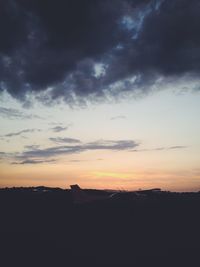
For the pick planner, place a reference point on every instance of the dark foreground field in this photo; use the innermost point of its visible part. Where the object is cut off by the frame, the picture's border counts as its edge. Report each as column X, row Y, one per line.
column 42, row 227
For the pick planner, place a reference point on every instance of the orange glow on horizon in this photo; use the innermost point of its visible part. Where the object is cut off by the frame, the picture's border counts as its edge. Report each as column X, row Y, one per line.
column 57, row 175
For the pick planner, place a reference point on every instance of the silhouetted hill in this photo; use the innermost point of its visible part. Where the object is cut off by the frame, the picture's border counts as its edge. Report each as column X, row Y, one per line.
column 42, row 227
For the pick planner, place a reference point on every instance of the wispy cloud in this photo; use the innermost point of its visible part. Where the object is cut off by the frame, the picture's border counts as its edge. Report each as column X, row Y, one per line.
column 120, row 117
column 82, row 160
column 33, row 161
column 58, row 129
column 12, row 134
column 11, row 113
column 29, row 147
column 60, row 140
column 56, row 151
column 159, row 149
column 177, row 147
column 33, row 154
column 111, row 144
column 55, row 123
column 2, row 155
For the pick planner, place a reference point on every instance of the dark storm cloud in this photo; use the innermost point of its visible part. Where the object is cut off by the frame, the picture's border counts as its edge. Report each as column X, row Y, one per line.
column 64, row 140
column 11, row 113
column 74, row 49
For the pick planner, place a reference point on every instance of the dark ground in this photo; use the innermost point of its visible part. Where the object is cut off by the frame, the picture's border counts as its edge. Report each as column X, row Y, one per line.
column 44, row 228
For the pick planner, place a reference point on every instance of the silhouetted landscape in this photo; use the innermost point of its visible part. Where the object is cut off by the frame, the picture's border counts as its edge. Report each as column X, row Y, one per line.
column 43, row 226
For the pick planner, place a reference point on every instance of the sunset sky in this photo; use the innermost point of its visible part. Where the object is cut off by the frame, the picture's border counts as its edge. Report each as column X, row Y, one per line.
column 105, row 94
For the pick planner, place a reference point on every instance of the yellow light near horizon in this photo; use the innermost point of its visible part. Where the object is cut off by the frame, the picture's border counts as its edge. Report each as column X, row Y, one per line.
column 112, row 174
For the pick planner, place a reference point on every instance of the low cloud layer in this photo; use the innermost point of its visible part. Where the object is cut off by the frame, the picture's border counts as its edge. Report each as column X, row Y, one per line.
column 76, row 50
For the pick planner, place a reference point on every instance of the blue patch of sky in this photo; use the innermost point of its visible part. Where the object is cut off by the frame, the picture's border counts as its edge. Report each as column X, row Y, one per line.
column 99, row 70
column 135, row 21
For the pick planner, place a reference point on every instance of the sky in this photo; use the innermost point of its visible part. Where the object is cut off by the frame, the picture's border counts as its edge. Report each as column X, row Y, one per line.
column 104, row 94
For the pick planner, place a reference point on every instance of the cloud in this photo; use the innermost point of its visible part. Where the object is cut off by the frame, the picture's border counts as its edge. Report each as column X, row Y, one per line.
column 64, row 140
column 56, row 151
column 118, row 117
column 177, row 147
column 29, row 147
column 2, row 153
column 36, row 155
column 33, row 161
column 79, row 160
column 110, row 144
column 20, row 132
column 56, row 123
column 58, row 129
column 11, row 113
column 160, row 148
column 76, row 50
